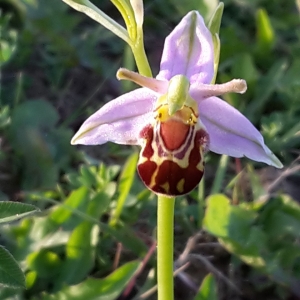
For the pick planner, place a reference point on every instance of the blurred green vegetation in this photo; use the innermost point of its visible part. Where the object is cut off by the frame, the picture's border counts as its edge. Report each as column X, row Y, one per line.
column 97, row 221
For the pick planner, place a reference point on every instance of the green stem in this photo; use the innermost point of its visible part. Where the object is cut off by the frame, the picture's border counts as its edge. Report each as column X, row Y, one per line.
column 165, row 234
column 201, row 202
column 127, row 13
column 220, row 174
column 140, row 56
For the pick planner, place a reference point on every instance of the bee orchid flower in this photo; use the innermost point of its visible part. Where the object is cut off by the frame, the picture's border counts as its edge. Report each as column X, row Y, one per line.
column 177, row 116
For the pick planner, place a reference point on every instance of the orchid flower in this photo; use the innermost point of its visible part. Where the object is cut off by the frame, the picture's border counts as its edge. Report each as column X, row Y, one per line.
column 177, row 116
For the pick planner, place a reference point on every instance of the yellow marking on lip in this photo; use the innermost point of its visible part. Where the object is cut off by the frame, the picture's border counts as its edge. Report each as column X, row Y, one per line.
column 180, row 185
column 166, row 187
column 185, row 115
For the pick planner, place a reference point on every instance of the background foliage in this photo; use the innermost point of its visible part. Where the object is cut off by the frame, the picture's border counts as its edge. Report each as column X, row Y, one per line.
column 93, row 234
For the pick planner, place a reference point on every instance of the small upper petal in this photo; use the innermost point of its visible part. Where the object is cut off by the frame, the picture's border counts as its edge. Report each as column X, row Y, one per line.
column 188, row 51
column 119, row 121
column 232, row 133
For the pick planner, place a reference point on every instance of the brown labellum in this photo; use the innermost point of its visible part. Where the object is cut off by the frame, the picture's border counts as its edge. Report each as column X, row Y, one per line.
column 171, row 160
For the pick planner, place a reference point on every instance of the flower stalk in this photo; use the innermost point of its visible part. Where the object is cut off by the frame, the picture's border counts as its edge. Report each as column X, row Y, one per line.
column 128, row 16
column 138, row 48
column 165, row 234
column 133, row 15
column 140, row 56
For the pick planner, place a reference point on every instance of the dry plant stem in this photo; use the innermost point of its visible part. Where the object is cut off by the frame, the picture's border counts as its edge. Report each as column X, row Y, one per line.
column 186, row 256
column 284, row 174
column 165, row 236
column 211, row 268
column 117, row 256
column 190, row 245
column 274, row 185
column 141, row 268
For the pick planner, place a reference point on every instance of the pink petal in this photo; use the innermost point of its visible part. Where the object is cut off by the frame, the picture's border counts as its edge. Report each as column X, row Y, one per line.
column 119, row 121
column 233, row 134
column 188, row 51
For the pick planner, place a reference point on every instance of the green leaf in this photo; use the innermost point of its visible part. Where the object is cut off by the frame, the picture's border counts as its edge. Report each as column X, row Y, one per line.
column 11, row 274
column 96, row 14
column 205, row 7
column 11, row 211
column 80, row 254
column 80, row 249
column 233, row 226
column 8, row 42
column 289, row 82
column 108, row 288
column 256, row 184
column 208, row 289
column 33, row 114
column 290, row 206
column 216, row 219
column 31, row 278
column 44, row 263
column 99, row 204
column 4, row 116
column 215, row 21
column 89, row 176
column 125, row 184
column 61, row 214
column 281, row 218
column 214, row 27
column 244, row 67
column 265, row 33
column 267, row 85
column 127, row 237
column 40, row 148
